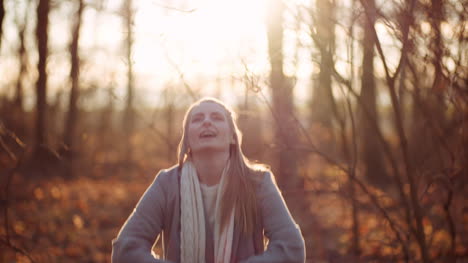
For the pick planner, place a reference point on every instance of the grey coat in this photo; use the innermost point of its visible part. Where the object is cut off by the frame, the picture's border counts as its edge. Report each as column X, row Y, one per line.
column 158, row 212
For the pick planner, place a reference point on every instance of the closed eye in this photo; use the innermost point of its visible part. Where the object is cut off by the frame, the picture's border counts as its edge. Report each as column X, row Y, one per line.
column 197, row 118
column 217, row 117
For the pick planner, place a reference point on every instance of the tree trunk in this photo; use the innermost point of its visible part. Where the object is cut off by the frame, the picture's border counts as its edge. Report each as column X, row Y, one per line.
column 22, row 70
column 18, row 123
column 41, row 85
column 375, row 170
column 128, row 11
column 2, row 15
column 129, row 110
column 70, row 128
column 439, row 86
column 436, row 15
column 282, row 101
column 325, row 40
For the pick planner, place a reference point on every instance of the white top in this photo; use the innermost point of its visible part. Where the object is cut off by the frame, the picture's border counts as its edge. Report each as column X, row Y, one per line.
column 209, row 194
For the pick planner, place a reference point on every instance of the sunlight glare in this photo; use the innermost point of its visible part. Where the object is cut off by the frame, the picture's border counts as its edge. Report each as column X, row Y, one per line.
column 447, row 30
column 425, row 27
column 200, row 42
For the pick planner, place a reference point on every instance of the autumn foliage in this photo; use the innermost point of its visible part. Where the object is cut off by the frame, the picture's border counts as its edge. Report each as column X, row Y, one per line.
column 370, row 149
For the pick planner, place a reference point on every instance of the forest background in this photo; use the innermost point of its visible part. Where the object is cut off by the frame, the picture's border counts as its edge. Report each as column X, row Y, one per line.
column 360, row 107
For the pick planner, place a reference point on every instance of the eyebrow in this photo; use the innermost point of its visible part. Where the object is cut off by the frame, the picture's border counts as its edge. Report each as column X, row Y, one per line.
column 212, row 113
column 217, row 113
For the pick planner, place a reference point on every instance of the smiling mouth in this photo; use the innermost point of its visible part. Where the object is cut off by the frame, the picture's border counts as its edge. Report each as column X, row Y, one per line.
column 207, row 134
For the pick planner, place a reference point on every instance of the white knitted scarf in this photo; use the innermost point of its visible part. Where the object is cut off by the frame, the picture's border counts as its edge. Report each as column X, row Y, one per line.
column 193, row 220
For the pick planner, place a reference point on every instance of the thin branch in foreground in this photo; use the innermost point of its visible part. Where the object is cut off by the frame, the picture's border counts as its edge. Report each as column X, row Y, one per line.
column 9, row 177
column 174, row 8
column 8, row 244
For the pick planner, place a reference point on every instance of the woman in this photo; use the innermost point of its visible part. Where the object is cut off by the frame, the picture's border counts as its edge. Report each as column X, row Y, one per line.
column 214, row 206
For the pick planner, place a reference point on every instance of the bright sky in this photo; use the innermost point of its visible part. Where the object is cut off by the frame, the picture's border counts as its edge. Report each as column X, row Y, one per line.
column 210, row 45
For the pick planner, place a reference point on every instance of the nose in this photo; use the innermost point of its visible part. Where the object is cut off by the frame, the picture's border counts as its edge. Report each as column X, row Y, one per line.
column 206, row 122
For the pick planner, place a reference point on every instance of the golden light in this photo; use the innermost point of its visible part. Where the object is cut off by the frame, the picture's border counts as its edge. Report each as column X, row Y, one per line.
column 425, row 27
column 205, row 41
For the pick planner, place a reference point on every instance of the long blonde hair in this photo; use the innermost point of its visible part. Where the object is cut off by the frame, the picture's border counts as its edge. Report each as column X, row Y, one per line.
column 240, row 190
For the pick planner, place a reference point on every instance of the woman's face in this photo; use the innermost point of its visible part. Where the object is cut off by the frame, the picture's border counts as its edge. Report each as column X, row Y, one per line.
column 208, row 128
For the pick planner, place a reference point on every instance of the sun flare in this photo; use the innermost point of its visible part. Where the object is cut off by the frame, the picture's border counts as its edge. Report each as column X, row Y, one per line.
column 203, row 41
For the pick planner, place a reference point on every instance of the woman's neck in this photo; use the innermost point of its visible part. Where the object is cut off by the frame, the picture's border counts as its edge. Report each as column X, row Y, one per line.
column 210, row 166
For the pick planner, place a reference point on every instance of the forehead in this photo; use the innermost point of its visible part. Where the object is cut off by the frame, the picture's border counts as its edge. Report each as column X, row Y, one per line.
column 208, row 108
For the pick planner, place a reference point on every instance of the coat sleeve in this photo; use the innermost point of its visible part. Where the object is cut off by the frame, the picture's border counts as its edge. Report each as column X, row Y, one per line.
column 138, row 234
column 285, row 241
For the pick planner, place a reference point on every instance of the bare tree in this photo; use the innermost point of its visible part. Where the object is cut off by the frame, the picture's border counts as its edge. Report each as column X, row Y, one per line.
column 2, row 15
column 21, row 22
column 128, row 15
column 70, row 126
column 129, row 114
column 23, row 56
column 41, row 85
column 282, row 100
column 324, row 39
column 375, row 169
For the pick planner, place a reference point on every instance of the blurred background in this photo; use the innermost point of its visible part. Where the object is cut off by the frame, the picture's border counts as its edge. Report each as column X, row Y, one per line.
column 359, row 106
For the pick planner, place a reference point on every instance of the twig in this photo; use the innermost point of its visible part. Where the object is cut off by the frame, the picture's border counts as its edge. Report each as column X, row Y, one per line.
column 9, row 177
column 16, row 249
column 182, row 78
column 416, row 208
column 174, row 8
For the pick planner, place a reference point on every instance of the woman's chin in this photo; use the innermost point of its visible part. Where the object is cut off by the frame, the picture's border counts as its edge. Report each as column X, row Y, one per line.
column 210, row 147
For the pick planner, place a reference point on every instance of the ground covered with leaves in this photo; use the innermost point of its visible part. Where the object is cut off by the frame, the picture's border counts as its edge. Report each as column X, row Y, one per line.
column 57, row 219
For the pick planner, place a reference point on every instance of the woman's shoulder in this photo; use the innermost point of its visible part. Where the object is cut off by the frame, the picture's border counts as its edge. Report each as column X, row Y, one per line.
column 168, row 175
column 259, row 173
